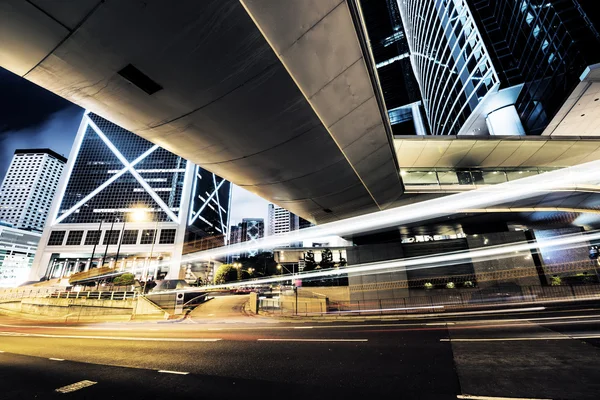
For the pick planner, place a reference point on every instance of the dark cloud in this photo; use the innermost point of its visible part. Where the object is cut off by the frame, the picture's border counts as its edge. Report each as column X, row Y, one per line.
column 32, row 117
column 25, row 105
column 57, row 132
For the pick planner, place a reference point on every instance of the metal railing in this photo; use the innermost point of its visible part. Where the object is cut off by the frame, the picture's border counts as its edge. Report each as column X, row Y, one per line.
column 16, row 294
column 451, row 299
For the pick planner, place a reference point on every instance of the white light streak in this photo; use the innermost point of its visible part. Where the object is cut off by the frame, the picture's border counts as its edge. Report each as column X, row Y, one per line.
column 422, row 211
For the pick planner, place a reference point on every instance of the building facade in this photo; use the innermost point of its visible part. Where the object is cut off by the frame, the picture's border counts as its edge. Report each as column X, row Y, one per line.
column 208, row 220
column 29, row 186
column 481, row 67
column 281, row 220
column 545, row 45
column 17, row 250
column 125, row 203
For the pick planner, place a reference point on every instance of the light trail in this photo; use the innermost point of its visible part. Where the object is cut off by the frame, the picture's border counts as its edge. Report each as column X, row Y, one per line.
column 425, row 210
column 420, row 262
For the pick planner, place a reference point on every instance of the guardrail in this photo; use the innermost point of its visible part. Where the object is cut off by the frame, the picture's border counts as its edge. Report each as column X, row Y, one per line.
column 451, row 299
column 9, row 295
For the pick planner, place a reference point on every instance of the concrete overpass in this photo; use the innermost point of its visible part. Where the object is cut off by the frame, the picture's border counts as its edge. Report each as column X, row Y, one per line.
column 278, row 97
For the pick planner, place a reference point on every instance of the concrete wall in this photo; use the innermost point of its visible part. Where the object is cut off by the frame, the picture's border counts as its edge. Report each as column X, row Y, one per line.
column 333, row 293
column 82, row 307
column 521, row 264
column 373, row 253
column 254, row 302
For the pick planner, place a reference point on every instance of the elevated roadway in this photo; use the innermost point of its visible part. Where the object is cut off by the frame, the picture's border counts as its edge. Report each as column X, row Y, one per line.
column 277, row 97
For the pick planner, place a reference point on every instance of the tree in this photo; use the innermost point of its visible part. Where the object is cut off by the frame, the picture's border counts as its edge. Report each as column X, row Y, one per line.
column 326, row 259
column 124, row 280
column 309, row 261
column 226, row 273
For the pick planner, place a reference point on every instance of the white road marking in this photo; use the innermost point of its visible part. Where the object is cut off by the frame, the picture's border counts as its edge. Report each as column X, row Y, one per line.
column 494, row 311
column 441, row 323
column 512, row 339
column 312, row 340
column 466, row 396
column 126, row 338
column 162, row 371
column 85, row 328
column 76, row 386
column 56, row 359
column 303, row 327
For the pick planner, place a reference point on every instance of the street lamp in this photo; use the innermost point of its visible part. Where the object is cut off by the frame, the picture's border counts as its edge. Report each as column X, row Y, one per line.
column 140, row 215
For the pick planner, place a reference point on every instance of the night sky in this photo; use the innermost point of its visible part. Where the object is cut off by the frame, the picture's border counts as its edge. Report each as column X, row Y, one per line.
column 32, row 117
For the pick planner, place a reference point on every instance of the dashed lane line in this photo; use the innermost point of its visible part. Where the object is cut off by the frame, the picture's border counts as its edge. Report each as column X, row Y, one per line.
column 164, row 371
column 75, row 386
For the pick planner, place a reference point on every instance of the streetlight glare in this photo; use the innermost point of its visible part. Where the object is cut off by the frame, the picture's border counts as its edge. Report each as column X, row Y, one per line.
column 139, row 215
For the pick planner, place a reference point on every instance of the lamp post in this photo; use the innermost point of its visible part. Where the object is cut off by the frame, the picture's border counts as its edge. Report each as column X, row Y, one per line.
column 140, row 215
column 108, row 242
column 96, row 242
column 120, row 242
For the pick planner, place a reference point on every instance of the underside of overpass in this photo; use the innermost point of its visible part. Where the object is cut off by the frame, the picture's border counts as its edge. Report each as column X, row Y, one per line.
column 279, row 97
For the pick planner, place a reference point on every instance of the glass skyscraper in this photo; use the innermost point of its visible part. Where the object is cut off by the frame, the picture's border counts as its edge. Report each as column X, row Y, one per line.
column 546, row 45
column 451, row 62
column 128, row 204
column 482, row 67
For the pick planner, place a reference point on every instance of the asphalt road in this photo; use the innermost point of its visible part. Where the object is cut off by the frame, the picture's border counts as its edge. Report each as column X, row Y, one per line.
column 537, row 353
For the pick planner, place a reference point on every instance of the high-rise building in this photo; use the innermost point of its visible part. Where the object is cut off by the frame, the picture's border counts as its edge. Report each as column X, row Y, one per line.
column 544, row 45
column 29, row 187
column 452, row 65
column 391, row 54
column 481, row 66
column 208, row 221
column 236, row 234
column 17, row 250
column 126, row 203
column 249, row 230
column 281, row 220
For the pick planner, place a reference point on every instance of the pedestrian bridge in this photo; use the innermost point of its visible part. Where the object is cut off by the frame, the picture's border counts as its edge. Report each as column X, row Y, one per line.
column 279, row 97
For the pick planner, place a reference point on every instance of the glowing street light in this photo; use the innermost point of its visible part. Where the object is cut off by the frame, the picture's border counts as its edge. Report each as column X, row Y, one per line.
column 139, row 215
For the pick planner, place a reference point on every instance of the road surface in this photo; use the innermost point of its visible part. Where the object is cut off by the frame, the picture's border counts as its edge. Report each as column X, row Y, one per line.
column 538, row 353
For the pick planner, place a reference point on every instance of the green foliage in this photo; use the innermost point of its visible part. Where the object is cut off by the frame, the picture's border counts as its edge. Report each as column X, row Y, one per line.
column 555, row 281
column 124, row 280
column 226, row 273
column 428, row 285
column 326, row 259
column 309, row 261
column 468, row 284
column 450, row 285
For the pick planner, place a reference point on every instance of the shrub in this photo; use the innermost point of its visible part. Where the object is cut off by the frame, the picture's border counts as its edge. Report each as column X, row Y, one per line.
column 226, row 273
column 428, row 285
column 450, row 285
column 468, row 284
column 124, row 280
column 555, row 281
